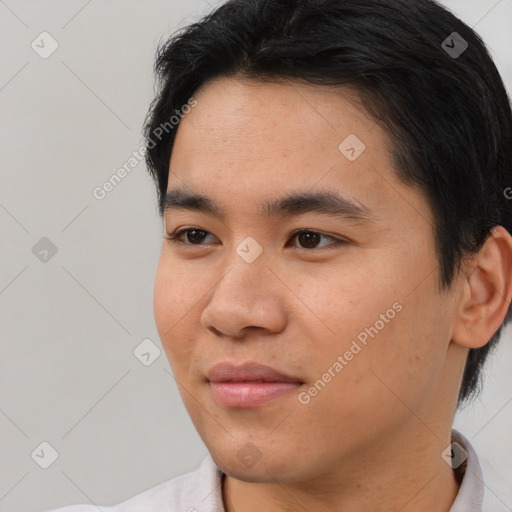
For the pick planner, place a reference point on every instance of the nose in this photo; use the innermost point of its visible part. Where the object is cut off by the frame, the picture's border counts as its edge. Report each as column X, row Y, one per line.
column 247, row 297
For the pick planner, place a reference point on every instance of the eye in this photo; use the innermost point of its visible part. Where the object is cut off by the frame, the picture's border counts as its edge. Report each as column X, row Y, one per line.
column 309, row 239
column 193, row 236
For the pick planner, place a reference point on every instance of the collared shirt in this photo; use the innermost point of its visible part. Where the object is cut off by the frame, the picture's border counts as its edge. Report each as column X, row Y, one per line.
column 470, row 497
column 201, row 490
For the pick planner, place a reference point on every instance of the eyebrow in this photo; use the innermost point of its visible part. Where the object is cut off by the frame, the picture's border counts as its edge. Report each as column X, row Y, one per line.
column 298, row 203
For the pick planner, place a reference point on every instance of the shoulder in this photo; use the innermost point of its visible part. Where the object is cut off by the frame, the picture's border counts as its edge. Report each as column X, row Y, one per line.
column 197, row 491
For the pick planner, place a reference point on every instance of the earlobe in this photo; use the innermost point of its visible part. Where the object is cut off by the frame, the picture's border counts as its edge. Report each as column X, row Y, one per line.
column 487, row 291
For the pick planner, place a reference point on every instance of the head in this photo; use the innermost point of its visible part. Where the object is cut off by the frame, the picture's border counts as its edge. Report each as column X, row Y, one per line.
column 286, row 113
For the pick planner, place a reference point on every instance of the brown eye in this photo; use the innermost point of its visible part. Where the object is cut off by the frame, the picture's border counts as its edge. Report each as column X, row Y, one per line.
column 195, row 236
column 190, row 236
column 308, row 239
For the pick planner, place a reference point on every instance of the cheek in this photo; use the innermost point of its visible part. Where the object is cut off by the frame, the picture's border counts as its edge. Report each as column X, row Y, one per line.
column 165, row 299
column 405, row 358
column 393, row 342
column 176, row 302
column 342, row 302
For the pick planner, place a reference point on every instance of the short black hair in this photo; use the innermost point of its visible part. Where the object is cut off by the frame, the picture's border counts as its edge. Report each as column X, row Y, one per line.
column 447, row 113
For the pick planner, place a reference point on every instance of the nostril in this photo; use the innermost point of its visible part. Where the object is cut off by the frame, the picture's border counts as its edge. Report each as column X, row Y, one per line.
column 215, row 330
column 218, row 332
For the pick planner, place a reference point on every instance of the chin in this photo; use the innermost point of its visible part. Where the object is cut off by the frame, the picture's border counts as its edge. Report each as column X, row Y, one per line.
column 260, row 472
column 249, row 464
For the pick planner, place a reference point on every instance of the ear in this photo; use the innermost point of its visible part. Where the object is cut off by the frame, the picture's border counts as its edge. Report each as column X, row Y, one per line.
column 487, row 291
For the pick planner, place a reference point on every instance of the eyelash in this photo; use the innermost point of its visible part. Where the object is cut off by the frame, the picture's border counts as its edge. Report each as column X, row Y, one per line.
column 175, row 238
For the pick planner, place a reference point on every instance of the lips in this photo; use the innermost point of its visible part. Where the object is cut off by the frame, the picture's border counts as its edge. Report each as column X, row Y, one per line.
column 249, row 384
column 247, row 372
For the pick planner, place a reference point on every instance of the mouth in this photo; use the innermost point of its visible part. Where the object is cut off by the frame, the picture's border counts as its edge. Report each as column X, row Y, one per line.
column 249, row 385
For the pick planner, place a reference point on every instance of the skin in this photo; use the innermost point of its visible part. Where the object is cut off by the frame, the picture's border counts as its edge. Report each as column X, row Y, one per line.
column 373, row 437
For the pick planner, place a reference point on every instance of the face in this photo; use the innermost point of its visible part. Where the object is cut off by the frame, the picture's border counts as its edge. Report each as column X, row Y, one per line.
column 337, row 291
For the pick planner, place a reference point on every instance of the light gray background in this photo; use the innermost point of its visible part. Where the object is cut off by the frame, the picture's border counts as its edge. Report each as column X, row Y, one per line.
column 68, row 374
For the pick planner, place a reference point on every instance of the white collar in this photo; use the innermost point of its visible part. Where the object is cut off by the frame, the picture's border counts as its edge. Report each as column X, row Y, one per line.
column 470, row 497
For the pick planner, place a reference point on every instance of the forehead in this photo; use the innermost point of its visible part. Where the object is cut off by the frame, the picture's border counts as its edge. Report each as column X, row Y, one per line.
column 248, row 141
column 256, row 111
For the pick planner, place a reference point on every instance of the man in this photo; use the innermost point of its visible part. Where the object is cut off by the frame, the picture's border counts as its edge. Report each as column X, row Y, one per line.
column 336, row 262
